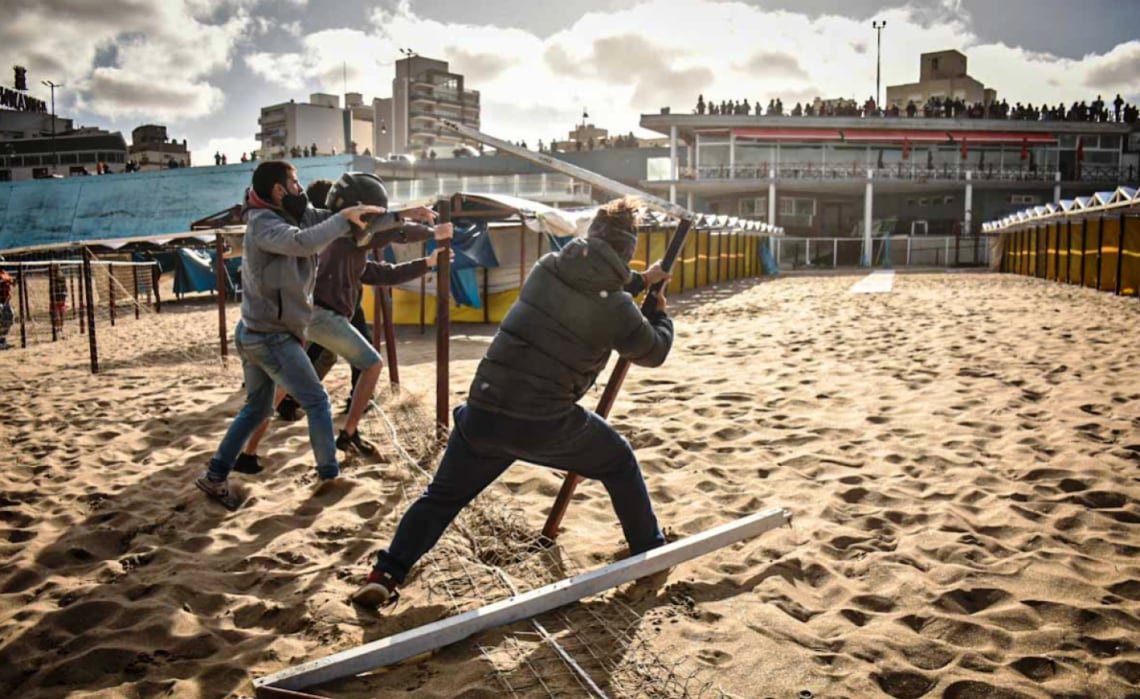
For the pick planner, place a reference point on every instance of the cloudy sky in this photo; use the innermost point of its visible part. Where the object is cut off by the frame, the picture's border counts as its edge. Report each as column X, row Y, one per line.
column 204, row 68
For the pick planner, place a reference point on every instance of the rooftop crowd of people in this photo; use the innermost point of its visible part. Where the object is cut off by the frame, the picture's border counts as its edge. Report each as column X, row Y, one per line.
column 1118, row 111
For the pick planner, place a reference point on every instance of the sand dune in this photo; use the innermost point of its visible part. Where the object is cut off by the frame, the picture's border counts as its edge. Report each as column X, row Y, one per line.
column 961, row 457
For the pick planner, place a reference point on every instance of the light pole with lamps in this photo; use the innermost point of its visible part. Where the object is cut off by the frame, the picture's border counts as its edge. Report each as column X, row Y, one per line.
column 878, row 27
column 54, row 154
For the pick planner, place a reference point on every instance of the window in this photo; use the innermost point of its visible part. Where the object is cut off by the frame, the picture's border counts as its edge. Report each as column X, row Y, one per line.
column 795, row 211
column 948, row 199
column 924, row 202
column 1023, row 199
column 754, row 207
column 934, row 64
column 5, row 175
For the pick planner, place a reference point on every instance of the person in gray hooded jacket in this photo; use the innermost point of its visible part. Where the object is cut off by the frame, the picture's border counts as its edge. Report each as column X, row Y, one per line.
column 283, row 237
column 575, row 309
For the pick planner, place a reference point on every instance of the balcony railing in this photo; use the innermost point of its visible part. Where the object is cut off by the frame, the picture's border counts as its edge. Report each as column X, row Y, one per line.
column 911, row 172
column 548, row 188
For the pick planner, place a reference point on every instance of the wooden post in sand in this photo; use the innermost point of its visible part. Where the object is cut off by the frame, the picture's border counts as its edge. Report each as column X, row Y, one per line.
column 220, row 286
column 71, row 286
column 423, row 294
column 135, row 281
column 21, row 295
column 443, row 325
column 53, row 306
column 613, row 384
column 81, row 307
column 386, row 305
column 88, row 287
column 111, row 292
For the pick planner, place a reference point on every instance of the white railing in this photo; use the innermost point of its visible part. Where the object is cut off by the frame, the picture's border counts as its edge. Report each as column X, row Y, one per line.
column 902, row 251
column 545, row 188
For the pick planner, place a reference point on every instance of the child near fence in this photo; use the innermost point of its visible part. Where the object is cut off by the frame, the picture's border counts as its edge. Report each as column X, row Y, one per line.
column 6, row 315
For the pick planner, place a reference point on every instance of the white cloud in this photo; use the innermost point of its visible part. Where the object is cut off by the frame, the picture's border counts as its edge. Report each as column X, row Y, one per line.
column 174, row 48
column 168, row 58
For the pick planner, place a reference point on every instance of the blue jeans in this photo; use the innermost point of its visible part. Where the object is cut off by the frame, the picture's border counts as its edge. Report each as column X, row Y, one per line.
column 483, row 445
column 335, row 333
column 268, row 359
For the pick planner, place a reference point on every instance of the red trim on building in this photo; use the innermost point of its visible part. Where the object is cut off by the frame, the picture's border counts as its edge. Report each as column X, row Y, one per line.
column 790, row 134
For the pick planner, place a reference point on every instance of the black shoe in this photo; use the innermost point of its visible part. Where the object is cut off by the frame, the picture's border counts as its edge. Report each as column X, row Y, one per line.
column 248, row 463
column 354, row 442
column 380, row 590
column 289, row 409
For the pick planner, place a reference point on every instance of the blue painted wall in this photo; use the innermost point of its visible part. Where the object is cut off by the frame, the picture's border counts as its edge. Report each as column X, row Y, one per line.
column 63, row 212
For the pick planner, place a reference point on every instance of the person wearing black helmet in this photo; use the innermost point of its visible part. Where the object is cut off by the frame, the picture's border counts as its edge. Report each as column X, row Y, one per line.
column 342, row 272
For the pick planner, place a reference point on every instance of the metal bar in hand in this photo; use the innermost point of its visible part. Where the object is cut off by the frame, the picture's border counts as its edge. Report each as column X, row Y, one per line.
column 443, row 324
column 592, row 178
column 613, row 384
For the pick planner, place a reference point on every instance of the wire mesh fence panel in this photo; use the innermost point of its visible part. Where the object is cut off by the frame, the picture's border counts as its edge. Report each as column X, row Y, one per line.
column 602, row 646
column 43, row 299
column 54, row 299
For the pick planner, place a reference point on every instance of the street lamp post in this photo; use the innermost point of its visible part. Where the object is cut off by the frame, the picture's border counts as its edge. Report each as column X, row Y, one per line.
column 54, row 154
column 878, row 27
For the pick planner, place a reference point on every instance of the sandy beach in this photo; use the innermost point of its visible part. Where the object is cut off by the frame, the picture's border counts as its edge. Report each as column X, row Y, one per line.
column 961, row 457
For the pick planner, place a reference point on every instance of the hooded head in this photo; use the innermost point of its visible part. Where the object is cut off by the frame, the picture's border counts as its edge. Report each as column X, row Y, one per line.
column 616, row 223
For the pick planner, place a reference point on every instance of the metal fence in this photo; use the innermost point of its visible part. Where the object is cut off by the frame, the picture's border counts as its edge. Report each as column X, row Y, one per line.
column 538, row 187
column 899, row 251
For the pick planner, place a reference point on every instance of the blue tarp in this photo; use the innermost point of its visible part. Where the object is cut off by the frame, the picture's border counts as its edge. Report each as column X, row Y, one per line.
column 473, row 250
column 194, row 270
column 72, row 210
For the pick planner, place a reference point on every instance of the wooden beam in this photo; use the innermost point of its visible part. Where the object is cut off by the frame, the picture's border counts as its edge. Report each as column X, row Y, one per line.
column 393, row 649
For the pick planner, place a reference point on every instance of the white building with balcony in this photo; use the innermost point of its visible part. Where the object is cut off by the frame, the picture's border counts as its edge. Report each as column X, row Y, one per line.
column 830, row 176
column 423, row 92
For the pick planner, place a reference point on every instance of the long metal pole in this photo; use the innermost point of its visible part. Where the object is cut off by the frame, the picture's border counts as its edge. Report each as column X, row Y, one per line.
column 613, row 384
column 443, row 324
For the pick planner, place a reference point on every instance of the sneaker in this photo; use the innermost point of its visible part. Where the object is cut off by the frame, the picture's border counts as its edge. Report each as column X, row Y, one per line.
column 354, row 442
column 289, row 409
column 218, row 490
column 248, row 463
column 380, row 590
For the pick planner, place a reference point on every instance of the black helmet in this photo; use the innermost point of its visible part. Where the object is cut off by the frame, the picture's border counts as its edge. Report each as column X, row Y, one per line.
column 356, row 188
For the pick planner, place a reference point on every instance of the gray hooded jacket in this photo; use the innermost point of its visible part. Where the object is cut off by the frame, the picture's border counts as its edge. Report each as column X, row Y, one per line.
column 279, row 267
